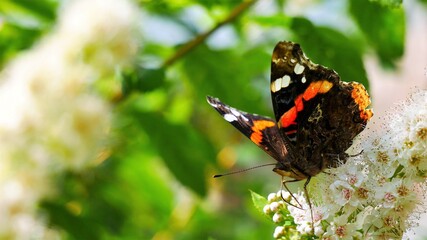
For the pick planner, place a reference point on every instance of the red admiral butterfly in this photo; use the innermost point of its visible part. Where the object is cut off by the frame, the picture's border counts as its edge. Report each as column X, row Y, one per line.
column 317, row 115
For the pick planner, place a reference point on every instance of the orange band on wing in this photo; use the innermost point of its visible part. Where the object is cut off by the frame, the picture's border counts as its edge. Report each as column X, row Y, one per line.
column 316, row 87
column 362, row 99
column 257, row 128
column 298, row 103
column 289, row 117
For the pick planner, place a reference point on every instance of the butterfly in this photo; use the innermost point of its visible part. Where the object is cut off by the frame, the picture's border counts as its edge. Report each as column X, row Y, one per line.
column 317, row 116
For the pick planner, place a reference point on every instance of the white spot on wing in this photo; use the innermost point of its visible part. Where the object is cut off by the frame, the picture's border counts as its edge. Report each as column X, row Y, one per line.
column 230, row 117
column 285, row 81
column 303, row 80
column 280, row 83
column 213, row 104
column 235, row 112
column 275, row 86
column 299, row 68
column 244, row 118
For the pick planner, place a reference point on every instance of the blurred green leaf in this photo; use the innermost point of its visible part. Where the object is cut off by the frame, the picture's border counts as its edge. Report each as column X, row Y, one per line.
column 184, row 150
column 77, row 227
column 389, row 3
column 331, row 49
column 383, row 27
column 230, row 76
column 259, row 202
column 14, row 39
column 145, row 190
column 142, row 80
column 273, row 20
column 22, row 22
column 94, row 196
column 44, row 10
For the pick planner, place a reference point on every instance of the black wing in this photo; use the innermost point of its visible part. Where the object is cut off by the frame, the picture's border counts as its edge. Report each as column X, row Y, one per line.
column 261, row 130
column 297, row 86
column 318, row 112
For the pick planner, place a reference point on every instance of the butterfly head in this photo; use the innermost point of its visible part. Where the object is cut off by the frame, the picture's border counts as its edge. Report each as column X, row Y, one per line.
column 284, row 169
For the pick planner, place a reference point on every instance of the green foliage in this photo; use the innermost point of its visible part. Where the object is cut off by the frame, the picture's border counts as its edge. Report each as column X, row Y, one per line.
column 383, row 27
column 167, row 142
column 390, row 3
column 259, row 201
column 153, row 78
column 331, row 48
column 21, row 23
column 172, row 142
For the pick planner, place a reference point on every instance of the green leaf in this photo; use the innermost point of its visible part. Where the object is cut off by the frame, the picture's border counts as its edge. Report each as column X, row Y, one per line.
column 230, row 76
column 42, row 10
column 331, row 49
column 182, row 148
column 142, row 184
column 273, row 20
column 77, row 227
column 389, row 3
column 383, row 27
column 259, row 201
column 142, row 80
column 14, row 39
column 22, row 23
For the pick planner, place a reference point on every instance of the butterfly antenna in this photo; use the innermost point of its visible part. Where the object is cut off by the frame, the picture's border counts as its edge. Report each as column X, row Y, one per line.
column 243, row 170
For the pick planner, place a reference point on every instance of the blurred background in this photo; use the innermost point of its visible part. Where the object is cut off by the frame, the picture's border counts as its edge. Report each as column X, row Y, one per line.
column 152, row 177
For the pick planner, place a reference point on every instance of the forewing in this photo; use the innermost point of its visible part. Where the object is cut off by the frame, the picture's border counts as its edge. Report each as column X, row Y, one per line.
column 261, row 130
column 297, row 84
column 317, row 111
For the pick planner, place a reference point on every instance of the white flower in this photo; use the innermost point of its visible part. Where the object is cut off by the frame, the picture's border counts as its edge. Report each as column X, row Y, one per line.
column 389, row 194
column 278, row 231
column 318, row 231
column 300, row 214
column 284, row 195
column 351, row 173
column 272, row 197
column 267, row 209
column 275, row 206
column 342, row 191
column 51, row 118
column 277, row 217
column 373, row 194
column 341, row 229
column 305, row 227
column 83, row 28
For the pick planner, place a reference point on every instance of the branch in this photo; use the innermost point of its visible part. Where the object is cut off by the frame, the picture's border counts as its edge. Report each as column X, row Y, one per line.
column 200, row 38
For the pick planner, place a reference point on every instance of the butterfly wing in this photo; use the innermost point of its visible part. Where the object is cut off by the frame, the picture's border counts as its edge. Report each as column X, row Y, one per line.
column 318, row 112
column 261, row 130
column 296, row 86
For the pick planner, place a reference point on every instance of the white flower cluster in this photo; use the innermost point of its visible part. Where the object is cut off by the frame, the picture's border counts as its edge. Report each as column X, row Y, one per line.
column 373, row 195
column 51, row 119
column 276, row 208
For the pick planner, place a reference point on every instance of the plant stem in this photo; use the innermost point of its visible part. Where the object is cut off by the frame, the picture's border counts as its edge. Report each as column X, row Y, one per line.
column 200, row 38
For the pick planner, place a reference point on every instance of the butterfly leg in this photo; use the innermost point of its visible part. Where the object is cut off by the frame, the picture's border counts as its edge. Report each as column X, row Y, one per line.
column 287, row 189
column 309, row 202
column 357, row 154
